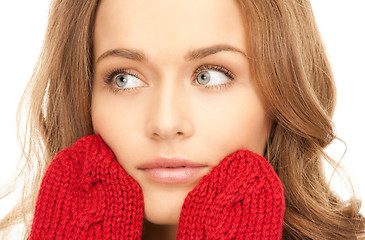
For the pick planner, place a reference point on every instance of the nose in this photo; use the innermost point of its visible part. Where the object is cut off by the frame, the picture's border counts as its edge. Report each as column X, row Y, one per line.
column 169, row 116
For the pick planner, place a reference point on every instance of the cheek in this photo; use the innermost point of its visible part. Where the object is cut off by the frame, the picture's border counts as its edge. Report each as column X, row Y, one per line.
column 238, row 122
column 115, row 121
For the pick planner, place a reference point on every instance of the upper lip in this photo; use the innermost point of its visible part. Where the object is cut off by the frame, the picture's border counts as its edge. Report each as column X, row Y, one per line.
column 169, row 162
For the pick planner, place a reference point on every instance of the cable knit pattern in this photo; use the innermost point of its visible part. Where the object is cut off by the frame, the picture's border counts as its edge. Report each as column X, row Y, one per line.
column 242, row 198
column 86, row 194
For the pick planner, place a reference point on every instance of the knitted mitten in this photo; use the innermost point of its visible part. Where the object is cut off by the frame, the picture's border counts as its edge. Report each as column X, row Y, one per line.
column 86, row 194
column 242, row 198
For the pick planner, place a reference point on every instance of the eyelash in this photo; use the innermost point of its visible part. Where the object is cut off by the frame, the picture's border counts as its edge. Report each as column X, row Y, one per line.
column 110, row 75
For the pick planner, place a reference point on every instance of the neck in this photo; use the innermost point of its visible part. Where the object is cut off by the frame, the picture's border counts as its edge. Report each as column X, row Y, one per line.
column 153, row 231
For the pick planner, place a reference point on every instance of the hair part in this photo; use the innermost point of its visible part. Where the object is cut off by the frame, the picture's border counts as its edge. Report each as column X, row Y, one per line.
column 292, row 74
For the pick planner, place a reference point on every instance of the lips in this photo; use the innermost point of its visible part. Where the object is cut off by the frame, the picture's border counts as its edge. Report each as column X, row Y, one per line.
column 172, row 170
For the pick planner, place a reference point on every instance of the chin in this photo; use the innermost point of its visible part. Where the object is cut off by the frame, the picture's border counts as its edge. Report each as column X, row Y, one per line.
column 163, row 207
column 162, row 214
column 162, row 220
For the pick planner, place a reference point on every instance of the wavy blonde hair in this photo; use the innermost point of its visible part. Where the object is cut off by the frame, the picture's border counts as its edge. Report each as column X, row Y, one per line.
column 291, row 71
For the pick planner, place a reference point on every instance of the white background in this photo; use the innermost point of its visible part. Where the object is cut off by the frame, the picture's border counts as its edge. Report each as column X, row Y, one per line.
column 342, row 24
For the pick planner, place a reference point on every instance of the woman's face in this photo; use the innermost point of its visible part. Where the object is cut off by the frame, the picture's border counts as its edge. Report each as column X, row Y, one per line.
column 172, row 94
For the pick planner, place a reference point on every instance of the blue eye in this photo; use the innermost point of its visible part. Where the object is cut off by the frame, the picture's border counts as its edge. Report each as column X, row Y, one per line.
column 211, row 78
column 127, row 81
column 123, row 79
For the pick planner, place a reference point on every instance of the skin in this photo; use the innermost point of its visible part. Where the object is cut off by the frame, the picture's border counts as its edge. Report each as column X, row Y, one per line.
column 165, row 111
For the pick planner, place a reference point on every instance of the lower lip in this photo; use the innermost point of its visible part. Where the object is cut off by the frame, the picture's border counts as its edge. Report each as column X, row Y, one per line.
column 173, row 175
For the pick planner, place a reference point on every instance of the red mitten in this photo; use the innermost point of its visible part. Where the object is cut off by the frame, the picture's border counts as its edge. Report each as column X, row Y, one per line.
column 242, row 198
column 86, row 194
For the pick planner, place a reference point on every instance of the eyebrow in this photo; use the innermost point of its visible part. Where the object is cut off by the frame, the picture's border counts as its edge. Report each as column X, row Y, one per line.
column 192, row 55
column 124, row 53
column 204, row 52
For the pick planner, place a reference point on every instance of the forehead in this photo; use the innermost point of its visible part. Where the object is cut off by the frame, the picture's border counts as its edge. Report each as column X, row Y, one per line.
column 167, row 25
